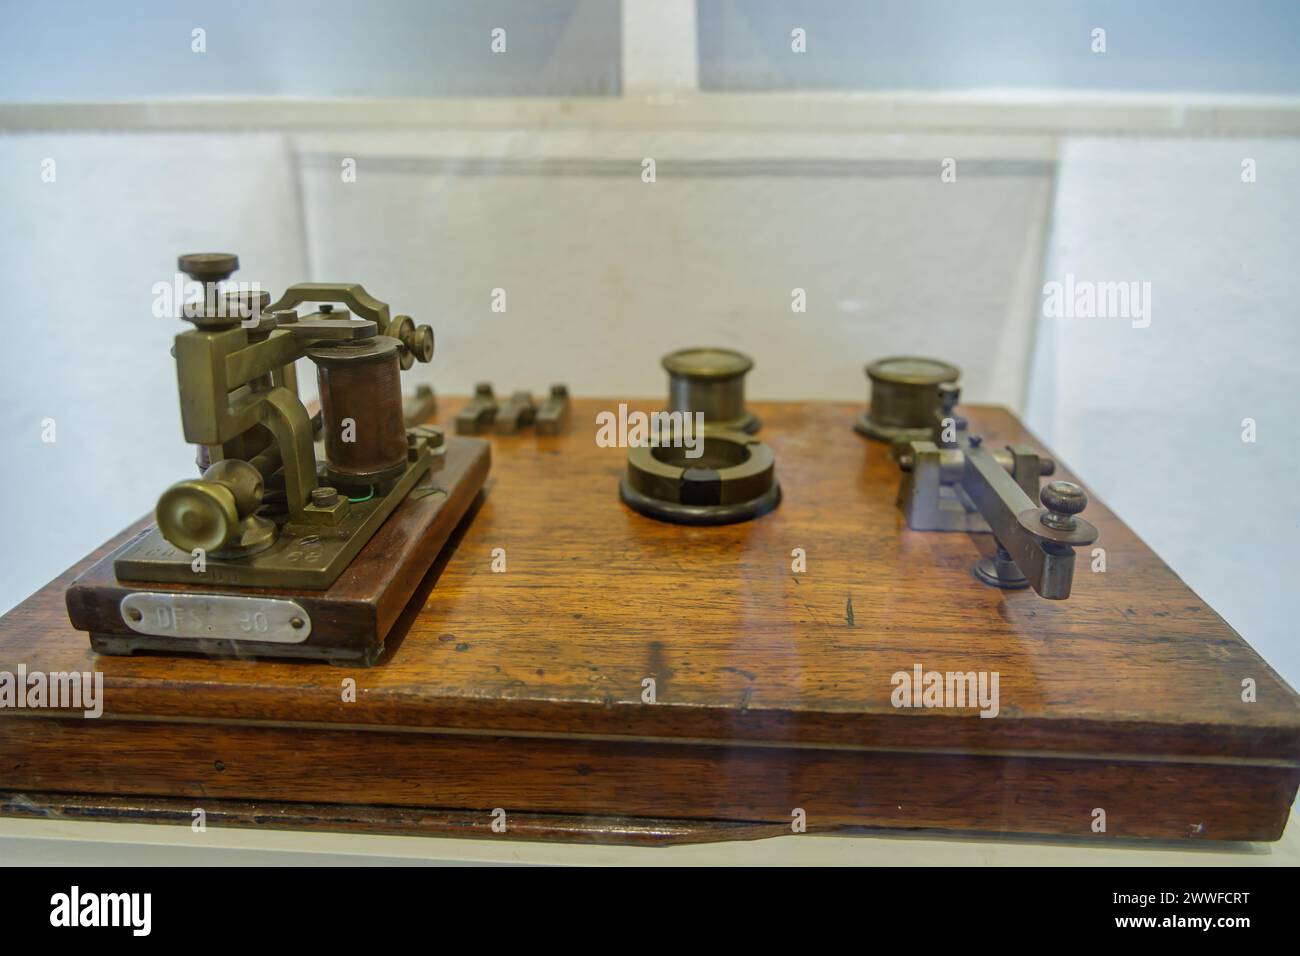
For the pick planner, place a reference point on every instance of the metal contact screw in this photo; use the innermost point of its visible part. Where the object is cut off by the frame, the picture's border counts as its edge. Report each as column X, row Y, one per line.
column 324, row 496
column 1063, row 500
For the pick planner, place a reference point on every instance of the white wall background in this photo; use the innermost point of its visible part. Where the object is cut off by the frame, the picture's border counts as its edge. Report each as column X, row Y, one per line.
column 83, row 346
column 1153, row 417
column 1247, row 46
column 142, row 49
column 604, row 273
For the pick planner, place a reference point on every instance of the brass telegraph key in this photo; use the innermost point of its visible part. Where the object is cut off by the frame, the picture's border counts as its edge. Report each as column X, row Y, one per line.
column 285, row 500
column 952, row 482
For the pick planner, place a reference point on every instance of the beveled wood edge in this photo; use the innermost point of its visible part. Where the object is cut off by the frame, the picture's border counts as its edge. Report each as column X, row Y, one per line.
column 396, row 821
column 436, row 822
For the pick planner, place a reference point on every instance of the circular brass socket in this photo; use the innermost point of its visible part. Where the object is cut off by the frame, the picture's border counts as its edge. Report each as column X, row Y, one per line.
column 733, row 479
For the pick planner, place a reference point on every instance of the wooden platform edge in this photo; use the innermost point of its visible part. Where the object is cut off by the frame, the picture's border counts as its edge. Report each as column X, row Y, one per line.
column 157, row 761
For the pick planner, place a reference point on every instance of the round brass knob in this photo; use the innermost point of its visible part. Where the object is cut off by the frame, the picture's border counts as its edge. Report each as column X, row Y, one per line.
column 206, row 512
column 242, row 479
column 197, row 514
column 417, row 341
column 208, row 266
column 422, row 345
column 1063, row 500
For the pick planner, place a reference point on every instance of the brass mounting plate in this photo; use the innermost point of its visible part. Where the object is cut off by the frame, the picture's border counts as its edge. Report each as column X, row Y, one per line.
column 304, row 555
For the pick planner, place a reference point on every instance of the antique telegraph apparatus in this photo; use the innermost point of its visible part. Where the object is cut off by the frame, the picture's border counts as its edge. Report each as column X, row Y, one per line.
column 285, row 501
column 952, row 482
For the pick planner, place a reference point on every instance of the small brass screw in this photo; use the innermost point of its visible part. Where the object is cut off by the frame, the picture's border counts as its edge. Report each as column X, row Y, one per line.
column 1063, row 500
column 324, row 496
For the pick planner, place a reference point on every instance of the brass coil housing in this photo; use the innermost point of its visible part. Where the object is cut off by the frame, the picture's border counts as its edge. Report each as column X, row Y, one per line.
column 361, row 412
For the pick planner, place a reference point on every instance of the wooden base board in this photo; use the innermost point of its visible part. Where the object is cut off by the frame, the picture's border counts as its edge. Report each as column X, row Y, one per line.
column 519, row 681
column 708, row 782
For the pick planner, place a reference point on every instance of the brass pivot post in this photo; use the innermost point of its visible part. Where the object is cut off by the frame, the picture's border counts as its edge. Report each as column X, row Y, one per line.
column 553, row 414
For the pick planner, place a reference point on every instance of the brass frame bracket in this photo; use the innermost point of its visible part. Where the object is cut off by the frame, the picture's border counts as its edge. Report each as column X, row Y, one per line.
column 479, row 412
column 553, row 414
column 516, row 412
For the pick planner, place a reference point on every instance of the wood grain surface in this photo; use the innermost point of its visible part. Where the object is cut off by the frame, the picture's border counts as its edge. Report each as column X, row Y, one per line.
column 766, row 686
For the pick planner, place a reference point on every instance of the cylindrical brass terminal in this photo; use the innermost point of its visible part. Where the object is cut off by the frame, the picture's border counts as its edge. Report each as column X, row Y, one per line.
column 904, row 396
column 711, row 381
column 952, row 463
column 361, row 412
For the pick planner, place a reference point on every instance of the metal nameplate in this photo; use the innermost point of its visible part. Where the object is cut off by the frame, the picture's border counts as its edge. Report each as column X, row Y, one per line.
column 216, row 616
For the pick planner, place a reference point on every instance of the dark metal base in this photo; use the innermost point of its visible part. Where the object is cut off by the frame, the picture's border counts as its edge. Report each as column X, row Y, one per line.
column 119, row 645
column 379, row 482
column 893, row 434
column 748, row 423
column 1000, row 574
column 700, row 514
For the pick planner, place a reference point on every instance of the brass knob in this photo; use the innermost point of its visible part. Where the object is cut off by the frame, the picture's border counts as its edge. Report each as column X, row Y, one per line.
column 206, row 512
column 208, row 266
column 417, row 341
column 218, row 310
column 422, row 345
column 197, row 514
column 1063, row 500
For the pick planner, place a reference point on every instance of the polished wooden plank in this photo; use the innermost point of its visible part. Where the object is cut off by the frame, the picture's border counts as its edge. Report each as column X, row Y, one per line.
column 652, row 780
